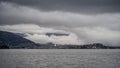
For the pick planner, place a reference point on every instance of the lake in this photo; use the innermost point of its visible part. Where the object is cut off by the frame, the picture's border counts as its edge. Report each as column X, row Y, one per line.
column 60, row 58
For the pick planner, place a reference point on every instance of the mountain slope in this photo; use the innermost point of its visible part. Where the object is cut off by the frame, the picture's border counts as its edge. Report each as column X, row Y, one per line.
column 14, row 41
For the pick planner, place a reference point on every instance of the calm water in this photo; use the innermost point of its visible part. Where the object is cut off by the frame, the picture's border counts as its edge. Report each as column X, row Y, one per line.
column 61, row 58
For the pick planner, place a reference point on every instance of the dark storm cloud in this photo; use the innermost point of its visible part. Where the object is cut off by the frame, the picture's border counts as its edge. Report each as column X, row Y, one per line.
column 82, row 6
column 12, row 13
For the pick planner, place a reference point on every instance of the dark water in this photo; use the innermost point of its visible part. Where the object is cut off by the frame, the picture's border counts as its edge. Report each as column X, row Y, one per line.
column 61, row 58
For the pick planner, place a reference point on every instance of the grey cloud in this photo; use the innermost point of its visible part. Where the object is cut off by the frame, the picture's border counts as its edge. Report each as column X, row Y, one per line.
column 17, row 13
column 83, row 6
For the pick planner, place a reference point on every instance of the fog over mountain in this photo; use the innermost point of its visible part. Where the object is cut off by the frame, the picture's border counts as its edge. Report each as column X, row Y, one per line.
column 86, row 21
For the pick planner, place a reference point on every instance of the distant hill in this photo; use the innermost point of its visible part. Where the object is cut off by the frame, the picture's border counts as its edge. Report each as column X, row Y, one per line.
column 57, row 34
column 86, row 46
column 21, row 34
column 11, row 40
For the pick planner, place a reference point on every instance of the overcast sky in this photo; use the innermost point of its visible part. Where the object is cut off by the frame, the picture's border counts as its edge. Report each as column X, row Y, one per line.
column 87, row 21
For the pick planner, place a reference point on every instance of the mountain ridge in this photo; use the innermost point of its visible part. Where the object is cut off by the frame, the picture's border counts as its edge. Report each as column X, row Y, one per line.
column 14, row 41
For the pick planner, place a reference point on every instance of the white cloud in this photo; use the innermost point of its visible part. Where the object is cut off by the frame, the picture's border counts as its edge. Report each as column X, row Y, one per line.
column 38, row 38
column 29, row 28
column 98, row 34
column 42, row 38
column 38, row 34
column 71, row 39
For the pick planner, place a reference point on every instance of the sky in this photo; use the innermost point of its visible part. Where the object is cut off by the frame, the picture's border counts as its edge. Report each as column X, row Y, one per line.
column 86, row 21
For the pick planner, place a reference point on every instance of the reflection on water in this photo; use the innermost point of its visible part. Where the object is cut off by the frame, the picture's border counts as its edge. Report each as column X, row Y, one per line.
column 60, row 58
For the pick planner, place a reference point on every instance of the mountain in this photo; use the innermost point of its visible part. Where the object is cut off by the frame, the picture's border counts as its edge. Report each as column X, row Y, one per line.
column 11, row 40
column 57, row 34
column 21, row 34
column 48, row 34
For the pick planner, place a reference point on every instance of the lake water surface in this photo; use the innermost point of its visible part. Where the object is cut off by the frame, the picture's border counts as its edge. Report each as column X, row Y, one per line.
column 60, row 58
